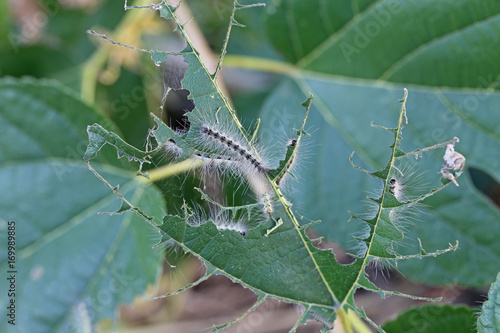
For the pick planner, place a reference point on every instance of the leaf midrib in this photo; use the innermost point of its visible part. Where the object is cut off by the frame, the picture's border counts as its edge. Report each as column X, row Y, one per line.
column 238, row 124
column 247, row 285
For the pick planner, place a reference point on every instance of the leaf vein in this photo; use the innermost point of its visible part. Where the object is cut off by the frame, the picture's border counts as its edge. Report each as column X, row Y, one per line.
column 396, row 65
column 333, row 38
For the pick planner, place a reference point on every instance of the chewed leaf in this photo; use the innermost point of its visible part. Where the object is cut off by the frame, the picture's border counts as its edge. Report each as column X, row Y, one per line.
column 385, row 231
column 355, row 77
column 254, row 256
column 98, row 137
column 286, row 165
column 271, row 254
column 385, row 228
column 164, row 135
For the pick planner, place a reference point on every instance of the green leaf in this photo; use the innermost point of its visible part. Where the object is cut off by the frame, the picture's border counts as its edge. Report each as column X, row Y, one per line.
column 247, row 260
column 489, row 321
column 393, row 45
column 433, row 319
column 286, row 165
column 276, row 258
column 353, row 41
column 49, row 61
column 5, row 23
column 250, row 259
column 74, row 266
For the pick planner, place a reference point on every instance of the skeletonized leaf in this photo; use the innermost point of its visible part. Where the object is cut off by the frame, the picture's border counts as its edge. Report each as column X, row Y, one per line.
column 356, row 59
column 284, row 263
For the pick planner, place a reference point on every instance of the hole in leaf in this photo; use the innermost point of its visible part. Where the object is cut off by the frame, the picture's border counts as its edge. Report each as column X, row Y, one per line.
column 486, row 184
column 175, row 99
column 342, row 256
column 176, row 105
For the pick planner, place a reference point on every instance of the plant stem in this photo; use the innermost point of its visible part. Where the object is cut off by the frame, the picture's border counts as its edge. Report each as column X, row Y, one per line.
column 358, row 324
column 260, row 64
column 170, row 170
column 343, row 317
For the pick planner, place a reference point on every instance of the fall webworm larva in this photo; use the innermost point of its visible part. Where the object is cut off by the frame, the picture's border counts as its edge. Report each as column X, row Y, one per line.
column 396, row 187
column 238, row 226
column 405, row 180
column 211, row 164
column 321, row 319
column 172, row 149
column 221, row 219
column 406, row 183
column 250, row 164
column 222, row 148
column 233, row 146
column 217, row 165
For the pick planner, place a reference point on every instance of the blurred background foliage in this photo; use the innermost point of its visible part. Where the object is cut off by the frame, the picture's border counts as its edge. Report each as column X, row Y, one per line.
column 48, row 39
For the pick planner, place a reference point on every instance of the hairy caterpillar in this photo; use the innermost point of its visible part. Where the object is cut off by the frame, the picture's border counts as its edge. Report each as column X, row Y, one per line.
column 321, row 319
column 396, row 187
column 221, row 219
column 405, row 182
column 172, row 149
column 223, row 142
column 227, row 224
